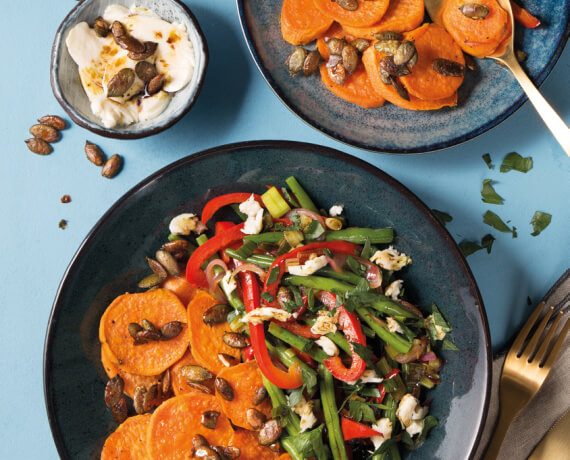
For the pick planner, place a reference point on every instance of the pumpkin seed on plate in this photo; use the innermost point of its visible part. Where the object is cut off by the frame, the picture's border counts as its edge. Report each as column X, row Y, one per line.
column 156, row 267
column 39, row 146
column 54, row 121
column 295, row 60
column 45, row 132
column 168, row 262
column 149, row 50
column 145, row 71
column 228, row 360
column 234, row 340
column 361, row 44
column 448, row 68
column 199, row 441
column 402, row 92
column 94, row 154
column 270, row 432
column 255, row 418
column 114, row 390
column 388, row 35
column 216, row 314
column 134, row 329
column 337, row 74
column 224, row 388
column 120, row 411
column 210, row 419
column 259, row 396
column 150, row 281
column 171, row 330
column 195, row 373
column 100, row 26
column 138, row 399
column 349, row 58
column 155, row 84
column 311, row 63
column 121, row 82
column 335, row 45
column 387, row 64
column 387, row 46
column 404, row 53
column 349, row 5
column 474, row 10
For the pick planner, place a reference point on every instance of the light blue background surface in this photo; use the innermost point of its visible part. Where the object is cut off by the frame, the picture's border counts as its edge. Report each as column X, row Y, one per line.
column 236, row 105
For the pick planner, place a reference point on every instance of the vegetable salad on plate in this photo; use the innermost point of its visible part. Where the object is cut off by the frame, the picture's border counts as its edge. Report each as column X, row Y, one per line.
column 287, row 335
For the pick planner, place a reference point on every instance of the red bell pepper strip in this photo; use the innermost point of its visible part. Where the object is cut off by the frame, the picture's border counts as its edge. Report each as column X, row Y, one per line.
column 382, row 391
column 341, row 247
column 304, row 330
column 354, row 430
column 194, row 273
column 524, row 17
column 252, row 300
column 222, row 227
column 223, row 200
column 305, row 358
column 248, row 354
column 392, row 373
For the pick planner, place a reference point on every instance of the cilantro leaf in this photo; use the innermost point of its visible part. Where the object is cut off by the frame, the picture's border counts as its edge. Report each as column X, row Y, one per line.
column 309, row 444
column 487, row 159
column 314, row 230
column 448, row 345
column 267, row 297
column 539, row 222
column 488, row 194
column 468, row 247
column 514, row 161
column 364, row 352
column 491, row 219
column 487, row 242
column 272, row 276
column 366, row 249
column 443, row 217
column 361, row 412
column 295, row 396
column 429, row 422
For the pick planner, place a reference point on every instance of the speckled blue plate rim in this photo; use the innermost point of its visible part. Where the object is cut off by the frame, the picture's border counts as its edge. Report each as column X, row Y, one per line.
column 310, row 149
column 424, row 149
column 116, row 133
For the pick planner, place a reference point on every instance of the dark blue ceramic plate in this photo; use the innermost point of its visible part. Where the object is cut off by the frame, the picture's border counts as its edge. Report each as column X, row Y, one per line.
column 485, row 98
column 111, row 260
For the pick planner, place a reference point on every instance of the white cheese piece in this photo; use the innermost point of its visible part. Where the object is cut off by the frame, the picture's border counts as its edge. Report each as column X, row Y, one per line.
column 309, row 267
column 393, row 325
column 420, row 412
column 328, row 346
column 406, row 409
column 183, row 224
column 390, row 259
column 336, row 210
column 368, row 376
column 259, row 315
column 384, row 426
column 229, row 283
column 254, row 212
column 250, row 207
column 394, row 288
column 415, row 427
column 325, row 323
column 439, row 332
column 152, row 107
column 305, row 410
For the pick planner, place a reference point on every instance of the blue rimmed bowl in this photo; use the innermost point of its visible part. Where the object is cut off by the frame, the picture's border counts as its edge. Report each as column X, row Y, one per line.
column 69, row 92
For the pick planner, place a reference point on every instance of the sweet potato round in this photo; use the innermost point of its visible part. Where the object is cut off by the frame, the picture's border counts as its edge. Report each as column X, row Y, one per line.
column 128, row 441
column 179, row 386
column 182, row 288
column 250, row 449
column 368, row 12
column 302, row 22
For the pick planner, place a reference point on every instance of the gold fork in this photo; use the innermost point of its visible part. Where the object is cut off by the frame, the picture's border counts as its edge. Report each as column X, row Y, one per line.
column 524, row 371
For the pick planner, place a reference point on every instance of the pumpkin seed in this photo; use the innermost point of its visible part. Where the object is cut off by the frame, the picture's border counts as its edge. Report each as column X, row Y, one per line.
column 335, row 46
column 387, row 46
column 138, row 399
column 224, row 388
column 349, row 5
column 349, row 58
column 120, row 411
column 385, row 77
column 404, row 53
column 234, row 340
column 269, row 433
column 134, row 329
column 45, row 132
column 210, row 419
column 361, row 44
column 145, row 71
column 310, row 66
column 448, row 68
column 54, row 121
column 199, row 441
column 118, row 29
column 195, row 373
column 388, row 35
column 171, row 330
column 39, row 146
column 168, row 262
column 334, row 60
column 114, row 390
column 216, row 314
column 175, row 246
column 402, row 92
column 94, row 154
column 199, row 387
column 166, row 382
column 100, row 26
column 474, row 10
column 295, row 60
column 337, row 74
column 387, row 64
column 149, row 400
column 255, row 418
column 470, row 63
column 153, row 336
column 413, row 61
column 150, row 281
column 156, row 267
column 229, row 453
column 148, row 51
column 155, row 84
column 206, row 453
column 124, row 40
column 121, row 82
column 228, row 360
column 259, row 396
column 148, row 326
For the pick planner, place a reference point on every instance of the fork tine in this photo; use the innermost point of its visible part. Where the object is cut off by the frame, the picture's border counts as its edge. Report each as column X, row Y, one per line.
column 518, row 343
column 531, row 346
column 540, row 354
column 557, row 345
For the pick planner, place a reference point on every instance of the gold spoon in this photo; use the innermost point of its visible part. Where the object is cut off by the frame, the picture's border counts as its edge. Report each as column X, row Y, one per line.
column 506, row 56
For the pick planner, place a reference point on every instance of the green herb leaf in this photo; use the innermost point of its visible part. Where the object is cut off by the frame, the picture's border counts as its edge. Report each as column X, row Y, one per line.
column 370, row 392
column 487, row 242
column 309, row 444
column 295, row 396
column 443, row 217
column 314, row 230
column 491, row 219
column 366, row 249
column 514, row 161
column 539, row 222
column 429, row 422
column 273, row 275
column 468, row 247
column 407, row 439
column 448, row 345
column 361, row 412
column 267, row 297
column 355, row 266
column 488, row 194
column 352, row 390
column 364, row 352
column 311, row 299
column 384, row 448
column 487, row 159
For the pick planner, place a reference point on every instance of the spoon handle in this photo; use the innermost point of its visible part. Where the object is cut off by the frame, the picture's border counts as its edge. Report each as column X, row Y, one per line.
column 557, row 127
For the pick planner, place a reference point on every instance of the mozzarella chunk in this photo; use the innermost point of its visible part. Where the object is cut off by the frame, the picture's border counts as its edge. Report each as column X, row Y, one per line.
column 325, row 323
column 309, row 267
column 415, row 427
column 250, row 207
column 391, row 259
column 394, row 288
column 254, row 212
column 393, row 325
column 328, row 346
column 183, row 224
column 384, row 426
column 259, row 315
column 336, row 210
column 406, row 409
column 305, row 410
column 229, row 282
column 368, row 376
column 439, row 332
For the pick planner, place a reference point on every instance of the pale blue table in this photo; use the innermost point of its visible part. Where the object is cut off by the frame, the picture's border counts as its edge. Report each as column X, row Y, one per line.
column 35, row 252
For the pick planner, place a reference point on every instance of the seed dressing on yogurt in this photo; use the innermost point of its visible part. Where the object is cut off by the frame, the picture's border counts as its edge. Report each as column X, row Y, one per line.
column 101, row 58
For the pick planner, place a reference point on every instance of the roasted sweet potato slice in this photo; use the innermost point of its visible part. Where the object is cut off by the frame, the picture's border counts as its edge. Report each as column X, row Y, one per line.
column 182, row 288
column 432, row 41
column 245, row 379
column 336, row 31
column 179, row 385
column 371, row 59
column 131, row 380
column 250, row 449
column 479, row 37
column 356, row 89
column 177, row 420
column 158, row 306
column 206, row 341
column 302, row 22
column 367, row 13
column 285, row 456
column 128, row 441
column 401, row 16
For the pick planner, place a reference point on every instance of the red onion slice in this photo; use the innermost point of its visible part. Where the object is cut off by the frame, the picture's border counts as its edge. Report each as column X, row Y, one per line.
column 214, row 279
column 427, row 357
column 307, row 212
column 372, row 272
column 251, row 268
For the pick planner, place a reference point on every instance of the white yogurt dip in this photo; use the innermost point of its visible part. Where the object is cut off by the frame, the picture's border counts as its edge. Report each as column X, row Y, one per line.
column 100, row 58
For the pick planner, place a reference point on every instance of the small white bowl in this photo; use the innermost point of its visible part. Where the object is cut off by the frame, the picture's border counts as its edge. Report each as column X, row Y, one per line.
column 69, row 92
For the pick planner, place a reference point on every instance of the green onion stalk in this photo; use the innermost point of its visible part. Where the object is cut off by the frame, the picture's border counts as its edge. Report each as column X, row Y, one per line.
column 330, row 410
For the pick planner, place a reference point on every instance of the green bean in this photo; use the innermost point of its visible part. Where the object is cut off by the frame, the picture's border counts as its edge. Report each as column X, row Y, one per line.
column 278, row 399
column 302, row 197
column 330, row 411
column 347, row 276
column 399, row 343
column 385, row 305
column 298, row 342
column 394, row 452
column 360, row 235
column 318, row 282
column 290, row 448
column 267, row 237
column 241, row 215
